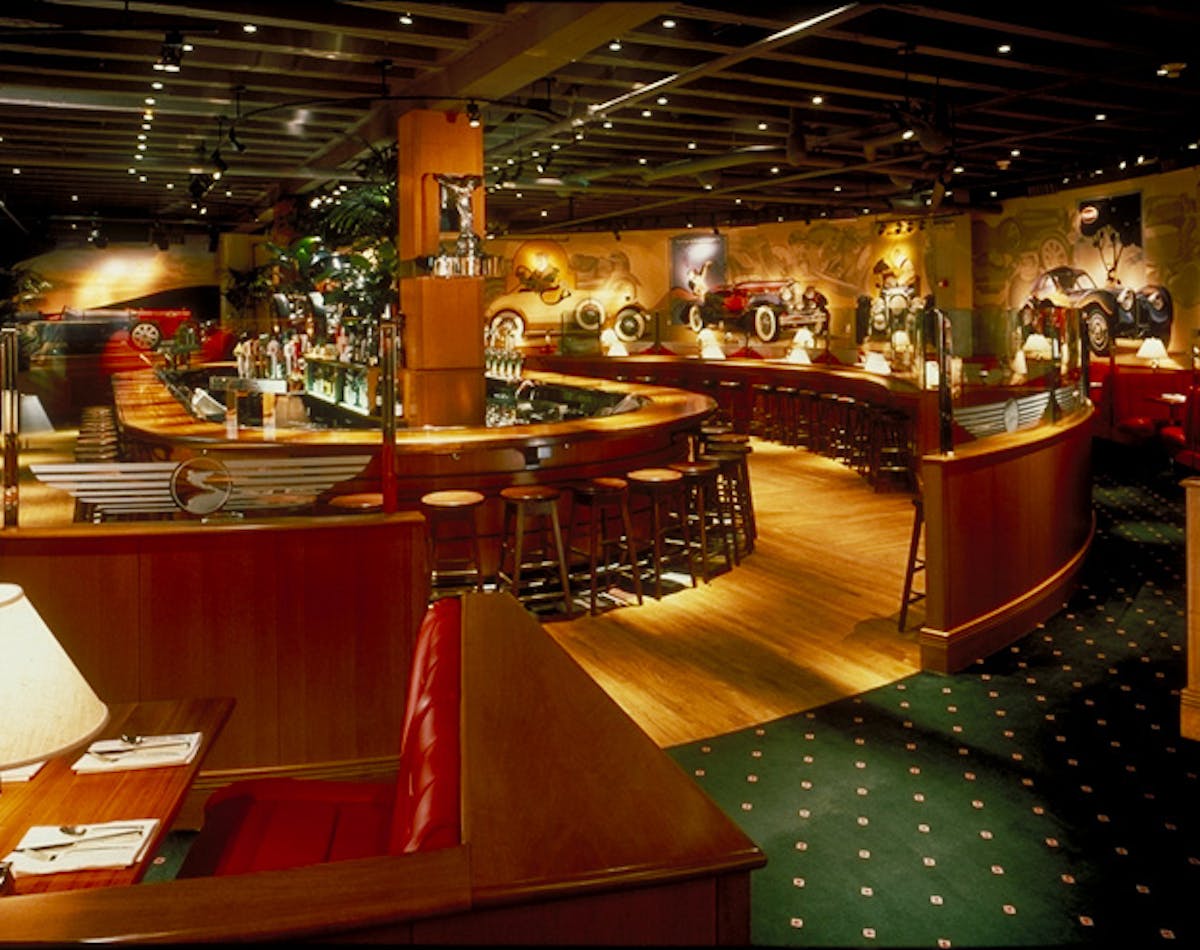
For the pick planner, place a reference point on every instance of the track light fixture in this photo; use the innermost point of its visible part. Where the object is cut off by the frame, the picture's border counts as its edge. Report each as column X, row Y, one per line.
column 473, row 117
column 219, row 163
column 238, row 145
column 170, row 57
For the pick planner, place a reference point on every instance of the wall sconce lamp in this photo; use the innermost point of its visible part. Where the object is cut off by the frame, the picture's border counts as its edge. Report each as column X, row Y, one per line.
column 46, row 705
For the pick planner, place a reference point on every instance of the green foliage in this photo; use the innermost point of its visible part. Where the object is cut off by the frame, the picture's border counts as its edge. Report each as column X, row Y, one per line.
column 348, row 248
column 19, row 287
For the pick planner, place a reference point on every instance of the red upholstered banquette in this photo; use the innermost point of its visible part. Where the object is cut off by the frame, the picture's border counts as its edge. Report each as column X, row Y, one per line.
column 270, row 824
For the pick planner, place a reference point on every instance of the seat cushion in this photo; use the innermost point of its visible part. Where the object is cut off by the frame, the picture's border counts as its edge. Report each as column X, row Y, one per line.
column 269, row 824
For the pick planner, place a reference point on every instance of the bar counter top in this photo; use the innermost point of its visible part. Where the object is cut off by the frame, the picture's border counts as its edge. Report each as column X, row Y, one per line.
column 149, row 414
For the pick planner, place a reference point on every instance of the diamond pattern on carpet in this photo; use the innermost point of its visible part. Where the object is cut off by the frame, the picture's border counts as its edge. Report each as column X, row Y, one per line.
column 1042, row 798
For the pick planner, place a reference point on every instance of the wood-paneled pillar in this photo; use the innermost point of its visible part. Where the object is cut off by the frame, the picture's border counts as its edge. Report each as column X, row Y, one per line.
column 442, row 379
column 1189, row 696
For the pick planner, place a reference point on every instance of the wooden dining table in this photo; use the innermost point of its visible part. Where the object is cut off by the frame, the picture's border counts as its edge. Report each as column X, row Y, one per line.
column 56, row 795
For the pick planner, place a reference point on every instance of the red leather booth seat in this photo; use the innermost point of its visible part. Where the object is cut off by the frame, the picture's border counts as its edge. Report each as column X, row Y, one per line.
column 270, row 824
column 1126, row 410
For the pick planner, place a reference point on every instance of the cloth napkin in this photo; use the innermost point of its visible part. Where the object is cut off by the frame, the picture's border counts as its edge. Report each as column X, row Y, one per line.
column 47, row 849
column 115, row 755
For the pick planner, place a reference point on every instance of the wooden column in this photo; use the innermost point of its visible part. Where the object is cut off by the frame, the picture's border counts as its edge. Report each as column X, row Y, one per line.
column 1189, row 696
column 443, row 381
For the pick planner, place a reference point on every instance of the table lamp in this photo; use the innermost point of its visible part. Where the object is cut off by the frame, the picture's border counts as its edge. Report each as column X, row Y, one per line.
column 1153, row 350
column 46, row 706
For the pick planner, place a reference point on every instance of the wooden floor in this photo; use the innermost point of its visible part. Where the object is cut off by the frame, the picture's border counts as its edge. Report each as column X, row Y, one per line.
column 809, row 617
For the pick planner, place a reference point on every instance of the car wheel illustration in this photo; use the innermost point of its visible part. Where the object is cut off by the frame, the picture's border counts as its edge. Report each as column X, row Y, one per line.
column 766, row 323
column 589, row 315
column 1099, row 338
column 630, row 324
column 145, row 335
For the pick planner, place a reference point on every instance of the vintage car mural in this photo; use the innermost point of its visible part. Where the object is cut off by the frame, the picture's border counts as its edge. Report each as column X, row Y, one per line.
column 1108, row 313
column 552, row 293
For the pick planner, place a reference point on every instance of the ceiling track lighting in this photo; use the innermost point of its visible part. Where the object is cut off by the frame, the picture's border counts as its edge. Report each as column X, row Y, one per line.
column 473, row 117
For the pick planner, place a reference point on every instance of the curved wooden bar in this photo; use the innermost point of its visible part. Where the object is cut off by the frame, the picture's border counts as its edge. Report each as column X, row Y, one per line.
column 705, row 376
column 154, row 425
column 575, row 827
column 1008, row 521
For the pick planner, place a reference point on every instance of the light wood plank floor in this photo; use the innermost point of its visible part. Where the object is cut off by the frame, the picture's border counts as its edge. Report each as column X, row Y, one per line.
column 809, row 617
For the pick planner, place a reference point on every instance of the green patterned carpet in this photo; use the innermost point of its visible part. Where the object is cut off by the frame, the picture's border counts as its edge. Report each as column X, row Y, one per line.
column 1042, row 798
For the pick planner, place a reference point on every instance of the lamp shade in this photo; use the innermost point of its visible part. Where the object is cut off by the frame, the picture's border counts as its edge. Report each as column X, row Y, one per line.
column 46, row 706
column 1152, row 349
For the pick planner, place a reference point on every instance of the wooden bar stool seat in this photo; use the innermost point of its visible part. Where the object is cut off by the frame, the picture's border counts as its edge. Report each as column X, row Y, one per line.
column 532, row 555
column 606, row 501
column 363, row 501
column 663, row 487
column 452, row 540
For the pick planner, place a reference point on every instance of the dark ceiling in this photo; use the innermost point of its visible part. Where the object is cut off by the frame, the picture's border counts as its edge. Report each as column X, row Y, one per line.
column 714, row 113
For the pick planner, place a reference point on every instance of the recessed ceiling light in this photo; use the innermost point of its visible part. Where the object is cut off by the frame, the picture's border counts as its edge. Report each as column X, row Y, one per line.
column 615, row 46
column 661, row 100
column 1101, row 116
column 646, row 113
column 774, row 169
column 668, row 24
column 170, row 185
column 249, row 28
column 156, row 85
column 691, row 145
column 994, row 193
column 818, row 100
column 1193, row 145
column 1122, row 164
column 907, row 134
column 74, row 197
column 958, row 169
column 406, row 19
column 762, row 126
column 1015, row 153
column 607, row 123
column 1004, row 48
column 16, row 171
column 837, row 187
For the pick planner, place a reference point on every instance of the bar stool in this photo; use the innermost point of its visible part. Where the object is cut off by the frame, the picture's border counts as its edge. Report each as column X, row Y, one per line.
column 702, row 495
column 728, row 393
column 533, row 510
column 664, row 489
column 825, row 435
column 732, row 499
column 787, row 428
column 916, row 563
column 739, row 444
column 606, row 500
column 891, row 462
column 764, row 411
column 450, row 522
